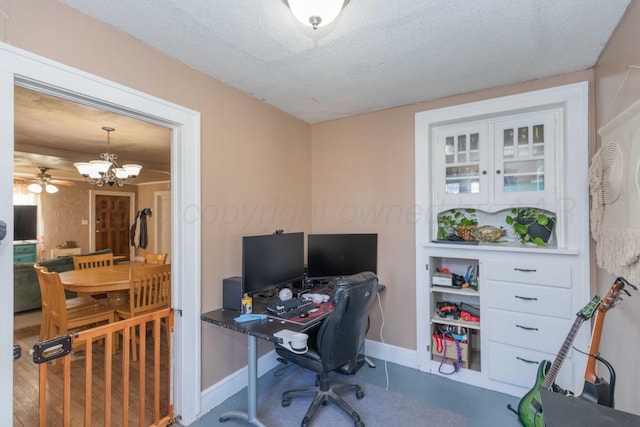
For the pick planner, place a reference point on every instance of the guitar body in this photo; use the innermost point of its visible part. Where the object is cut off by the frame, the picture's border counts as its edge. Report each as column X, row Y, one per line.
column 530, row 406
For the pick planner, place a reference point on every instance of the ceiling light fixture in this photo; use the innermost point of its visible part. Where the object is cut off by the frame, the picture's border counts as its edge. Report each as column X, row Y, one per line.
column 42, row 182
column 107, row 170
column 316, row 13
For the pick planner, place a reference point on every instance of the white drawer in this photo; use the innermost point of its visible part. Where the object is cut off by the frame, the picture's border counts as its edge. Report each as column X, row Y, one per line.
column 531, row 271
column 519, row 366
column 531, row 299
column 546, row 334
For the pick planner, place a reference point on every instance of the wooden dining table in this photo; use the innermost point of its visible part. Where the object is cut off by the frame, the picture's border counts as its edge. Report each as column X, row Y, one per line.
column 112, row 280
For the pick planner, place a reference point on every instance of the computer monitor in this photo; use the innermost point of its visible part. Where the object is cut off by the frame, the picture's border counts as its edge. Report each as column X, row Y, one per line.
column 271, row 260
column 339, row 255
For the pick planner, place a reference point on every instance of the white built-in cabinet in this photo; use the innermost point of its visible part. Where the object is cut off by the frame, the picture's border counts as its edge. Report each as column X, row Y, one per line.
column 497, row 163
column 531, row 150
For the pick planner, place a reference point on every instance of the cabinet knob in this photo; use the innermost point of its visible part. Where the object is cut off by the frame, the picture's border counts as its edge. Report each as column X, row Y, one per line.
column 484, row 172
column 498, row 172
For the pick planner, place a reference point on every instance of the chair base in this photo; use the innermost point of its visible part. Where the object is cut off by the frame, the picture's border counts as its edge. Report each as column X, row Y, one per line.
column 323, row 396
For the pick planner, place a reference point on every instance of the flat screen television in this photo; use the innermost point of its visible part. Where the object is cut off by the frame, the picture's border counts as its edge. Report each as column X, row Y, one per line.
column 272, row 260
column 25, row 222
column 339, row 255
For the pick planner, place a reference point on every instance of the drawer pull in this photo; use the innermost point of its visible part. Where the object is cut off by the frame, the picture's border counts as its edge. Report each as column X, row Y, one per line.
column 526, row 328
column 527, row 298
column 525, row 270
column 527, row 361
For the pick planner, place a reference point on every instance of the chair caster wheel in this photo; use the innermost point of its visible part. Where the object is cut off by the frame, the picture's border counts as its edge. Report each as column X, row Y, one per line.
column 359, row 424
column 286, row 402
column 223, row 419
column 359, row 394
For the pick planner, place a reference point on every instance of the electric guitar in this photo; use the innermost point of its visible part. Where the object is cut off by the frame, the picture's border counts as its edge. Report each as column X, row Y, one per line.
column 530, row 406
column 596, row 389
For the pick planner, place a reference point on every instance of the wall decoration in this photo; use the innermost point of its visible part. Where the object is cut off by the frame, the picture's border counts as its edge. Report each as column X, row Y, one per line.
column 614, row 181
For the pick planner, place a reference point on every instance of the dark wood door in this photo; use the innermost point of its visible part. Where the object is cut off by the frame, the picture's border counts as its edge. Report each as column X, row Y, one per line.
column 112, row 224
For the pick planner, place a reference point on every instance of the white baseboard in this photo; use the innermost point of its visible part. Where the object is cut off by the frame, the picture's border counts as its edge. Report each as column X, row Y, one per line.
column 227, row 387
column 398, row 355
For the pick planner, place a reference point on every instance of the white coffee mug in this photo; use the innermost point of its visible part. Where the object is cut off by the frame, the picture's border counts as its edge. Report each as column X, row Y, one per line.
column 298, row 342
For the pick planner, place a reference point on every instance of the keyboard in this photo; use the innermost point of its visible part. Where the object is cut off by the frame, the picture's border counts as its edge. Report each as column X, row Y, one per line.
column 291, row 308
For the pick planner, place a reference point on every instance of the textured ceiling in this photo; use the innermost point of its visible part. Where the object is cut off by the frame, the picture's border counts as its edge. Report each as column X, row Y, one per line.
column 54, row 133
column 378, row 53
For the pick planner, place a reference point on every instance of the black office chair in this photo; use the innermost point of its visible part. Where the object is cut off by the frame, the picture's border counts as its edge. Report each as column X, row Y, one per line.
column 339, row 340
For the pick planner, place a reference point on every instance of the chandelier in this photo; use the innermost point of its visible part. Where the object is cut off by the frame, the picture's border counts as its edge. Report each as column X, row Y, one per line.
column 42, row 182
column 107, row 170
column 316, row 13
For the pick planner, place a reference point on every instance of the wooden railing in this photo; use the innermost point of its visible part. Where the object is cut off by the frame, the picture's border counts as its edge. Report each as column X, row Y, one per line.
column 107, row 391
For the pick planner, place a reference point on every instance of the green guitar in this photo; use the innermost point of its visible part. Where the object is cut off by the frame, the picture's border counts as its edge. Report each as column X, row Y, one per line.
column 530, row 407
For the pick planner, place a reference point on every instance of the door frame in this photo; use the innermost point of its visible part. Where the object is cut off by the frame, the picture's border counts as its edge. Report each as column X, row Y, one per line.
column 92, row 216
column 159, row 221
column 20, row 67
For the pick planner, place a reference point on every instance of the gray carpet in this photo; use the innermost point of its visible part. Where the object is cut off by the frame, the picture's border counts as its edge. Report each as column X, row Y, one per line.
column 378, row 408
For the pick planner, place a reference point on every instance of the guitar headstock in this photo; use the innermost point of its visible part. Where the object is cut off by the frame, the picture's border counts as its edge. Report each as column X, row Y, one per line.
column 589, row 310
column 614, row 294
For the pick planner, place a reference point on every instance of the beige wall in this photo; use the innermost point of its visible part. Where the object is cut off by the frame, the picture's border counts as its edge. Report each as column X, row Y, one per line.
column 255, row 171
column 620, row 344
column 363, row 181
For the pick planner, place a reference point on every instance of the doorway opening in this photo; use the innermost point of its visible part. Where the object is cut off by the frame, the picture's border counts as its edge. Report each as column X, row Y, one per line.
column 22, row 68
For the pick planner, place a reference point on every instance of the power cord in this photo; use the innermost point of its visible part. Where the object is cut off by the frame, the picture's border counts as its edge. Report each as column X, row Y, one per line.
column 386, row 368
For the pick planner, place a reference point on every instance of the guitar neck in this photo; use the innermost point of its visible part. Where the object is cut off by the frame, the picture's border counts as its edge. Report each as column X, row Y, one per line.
column 590, row 372
column 562, row 354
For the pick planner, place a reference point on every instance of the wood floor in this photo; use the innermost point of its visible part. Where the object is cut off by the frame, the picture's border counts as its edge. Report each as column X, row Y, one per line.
column 25, row 386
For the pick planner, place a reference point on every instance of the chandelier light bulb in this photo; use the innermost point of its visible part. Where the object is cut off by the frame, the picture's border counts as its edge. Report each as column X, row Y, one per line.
column 107, row 170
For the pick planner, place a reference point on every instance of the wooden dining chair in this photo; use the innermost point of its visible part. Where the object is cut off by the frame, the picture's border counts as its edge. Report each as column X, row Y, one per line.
column 81, row 262
column 149, row 290
column 63, row 320
column 72, row 304
column 155, row 258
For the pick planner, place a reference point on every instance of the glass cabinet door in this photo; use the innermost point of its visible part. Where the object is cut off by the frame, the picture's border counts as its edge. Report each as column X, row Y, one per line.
column 462, row 157
column 524, row 157
column 461, row 164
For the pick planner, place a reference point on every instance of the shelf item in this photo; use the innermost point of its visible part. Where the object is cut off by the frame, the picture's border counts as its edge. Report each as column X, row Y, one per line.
column 437, row 320
column 448, row 348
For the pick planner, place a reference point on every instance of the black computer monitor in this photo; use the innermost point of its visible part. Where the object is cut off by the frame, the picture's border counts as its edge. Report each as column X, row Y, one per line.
column 271, row 260
column 339, row 255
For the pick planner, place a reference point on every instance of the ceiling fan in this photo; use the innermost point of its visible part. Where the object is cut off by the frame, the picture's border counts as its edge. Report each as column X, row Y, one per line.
column 44, row 182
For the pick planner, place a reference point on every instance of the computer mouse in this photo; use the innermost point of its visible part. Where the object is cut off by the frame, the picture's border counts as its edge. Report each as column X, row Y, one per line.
column 303, row 315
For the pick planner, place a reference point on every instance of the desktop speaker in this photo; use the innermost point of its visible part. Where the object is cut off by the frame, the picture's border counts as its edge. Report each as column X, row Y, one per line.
column 232, row 293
